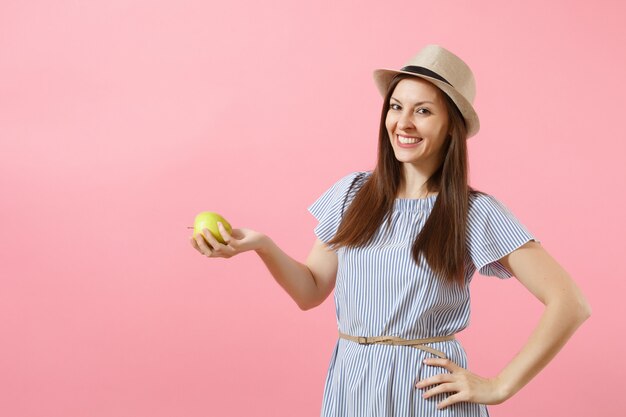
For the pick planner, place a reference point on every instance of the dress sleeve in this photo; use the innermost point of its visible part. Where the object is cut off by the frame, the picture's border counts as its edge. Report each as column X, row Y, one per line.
column 327, row 209
column 493, row 232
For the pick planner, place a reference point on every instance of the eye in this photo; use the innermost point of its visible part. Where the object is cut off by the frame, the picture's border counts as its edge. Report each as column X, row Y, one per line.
column 394, row 106
column 423, row 108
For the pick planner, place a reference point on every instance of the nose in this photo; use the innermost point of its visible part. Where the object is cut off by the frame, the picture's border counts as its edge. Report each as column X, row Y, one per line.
column 404, row 121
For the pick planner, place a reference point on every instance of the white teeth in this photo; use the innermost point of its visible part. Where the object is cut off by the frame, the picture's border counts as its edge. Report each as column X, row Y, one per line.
column 404, row 140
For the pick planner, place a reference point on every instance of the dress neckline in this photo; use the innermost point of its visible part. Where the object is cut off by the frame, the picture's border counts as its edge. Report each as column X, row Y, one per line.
column 412, row 204
column 420, row 198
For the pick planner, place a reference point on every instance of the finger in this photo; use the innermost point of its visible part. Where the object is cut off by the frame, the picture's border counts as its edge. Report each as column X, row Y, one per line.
column 448, row 387
column 194, row 243
column 225, row 235
column 451, row 399
column 216, row 246
column 441, row 362
column 434, row 380
column 202, row 245
column 210, row 239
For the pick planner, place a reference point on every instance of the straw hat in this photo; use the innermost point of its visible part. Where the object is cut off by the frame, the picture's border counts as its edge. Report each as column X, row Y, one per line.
column 447, row 71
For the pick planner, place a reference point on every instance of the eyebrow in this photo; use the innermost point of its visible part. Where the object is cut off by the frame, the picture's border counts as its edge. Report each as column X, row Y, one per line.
column 417, row 104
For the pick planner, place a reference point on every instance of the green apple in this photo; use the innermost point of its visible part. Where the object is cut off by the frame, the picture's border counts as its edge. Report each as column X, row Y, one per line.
column 208, row 220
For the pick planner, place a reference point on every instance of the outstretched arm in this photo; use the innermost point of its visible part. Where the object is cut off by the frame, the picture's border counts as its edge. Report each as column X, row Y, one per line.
column 565, row 310
column 309, row 284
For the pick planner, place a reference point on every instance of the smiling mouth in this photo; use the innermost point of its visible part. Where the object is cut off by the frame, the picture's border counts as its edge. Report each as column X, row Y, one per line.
column 407, row 140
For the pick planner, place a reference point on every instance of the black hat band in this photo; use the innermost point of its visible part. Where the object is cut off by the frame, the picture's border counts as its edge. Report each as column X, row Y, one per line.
column 425, row 71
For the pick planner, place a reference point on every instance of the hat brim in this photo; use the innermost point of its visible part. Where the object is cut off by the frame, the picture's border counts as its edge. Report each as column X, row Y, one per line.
column 383, row 77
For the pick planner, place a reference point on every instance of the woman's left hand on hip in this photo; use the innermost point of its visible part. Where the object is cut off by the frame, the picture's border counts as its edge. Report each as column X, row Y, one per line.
column 465, row 385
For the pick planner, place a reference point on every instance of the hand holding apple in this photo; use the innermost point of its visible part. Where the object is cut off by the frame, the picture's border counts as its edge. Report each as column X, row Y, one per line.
column 208, row 220
column 240, row 240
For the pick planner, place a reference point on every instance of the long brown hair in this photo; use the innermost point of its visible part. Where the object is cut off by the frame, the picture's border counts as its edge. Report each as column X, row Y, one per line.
column 442, row 239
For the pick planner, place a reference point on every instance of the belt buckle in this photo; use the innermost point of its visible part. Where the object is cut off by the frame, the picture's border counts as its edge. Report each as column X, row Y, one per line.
column 362, row 340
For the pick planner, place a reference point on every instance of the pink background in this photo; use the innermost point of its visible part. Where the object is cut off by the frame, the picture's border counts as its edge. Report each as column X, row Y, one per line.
column 120, row 120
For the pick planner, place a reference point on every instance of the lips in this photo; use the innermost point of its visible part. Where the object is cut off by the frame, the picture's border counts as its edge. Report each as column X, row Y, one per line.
column 412, row 140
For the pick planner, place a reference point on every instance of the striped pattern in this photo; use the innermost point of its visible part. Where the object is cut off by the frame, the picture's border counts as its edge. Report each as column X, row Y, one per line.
column 381, row 291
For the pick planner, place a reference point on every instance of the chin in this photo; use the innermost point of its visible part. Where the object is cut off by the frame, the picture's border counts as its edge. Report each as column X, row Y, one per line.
column 407, row 160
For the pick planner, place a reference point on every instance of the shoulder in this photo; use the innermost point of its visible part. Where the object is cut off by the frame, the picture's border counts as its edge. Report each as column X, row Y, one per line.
column 343, row 186
column 351, row 179
column 358, row 175
column 477, row 197
column 488, row 214
column 486, row 209
column 481, row 202
column 331, row 204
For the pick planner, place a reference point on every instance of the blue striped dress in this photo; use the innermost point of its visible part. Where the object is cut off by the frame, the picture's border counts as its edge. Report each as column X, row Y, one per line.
column 380, row 291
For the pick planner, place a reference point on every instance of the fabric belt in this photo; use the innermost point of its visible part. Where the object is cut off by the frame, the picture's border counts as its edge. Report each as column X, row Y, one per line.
column 392, row 340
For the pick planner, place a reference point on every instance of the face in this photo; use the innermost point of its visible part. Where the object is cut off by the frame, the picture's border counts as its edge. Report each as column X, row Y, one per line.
column 417, row 114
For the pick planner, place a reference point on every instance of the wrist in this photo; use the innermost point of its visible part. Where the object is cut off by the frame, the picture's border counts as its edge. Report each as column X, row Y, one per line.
column 504, row 389
column 263, row 245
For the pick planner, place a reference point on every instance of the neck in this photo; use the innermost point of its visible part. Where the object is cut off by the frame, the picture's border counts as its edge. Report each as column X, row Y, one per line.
column 413, row 184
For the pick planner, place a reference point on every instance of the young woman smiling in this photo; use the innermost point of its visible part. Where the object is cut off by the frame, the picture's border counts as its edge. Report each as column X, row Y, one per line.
column 400, row 244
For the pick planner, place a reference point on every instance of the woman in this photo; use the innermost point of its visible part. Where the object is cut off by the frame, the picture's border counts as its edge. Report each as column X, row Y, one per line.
column 400, row 245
